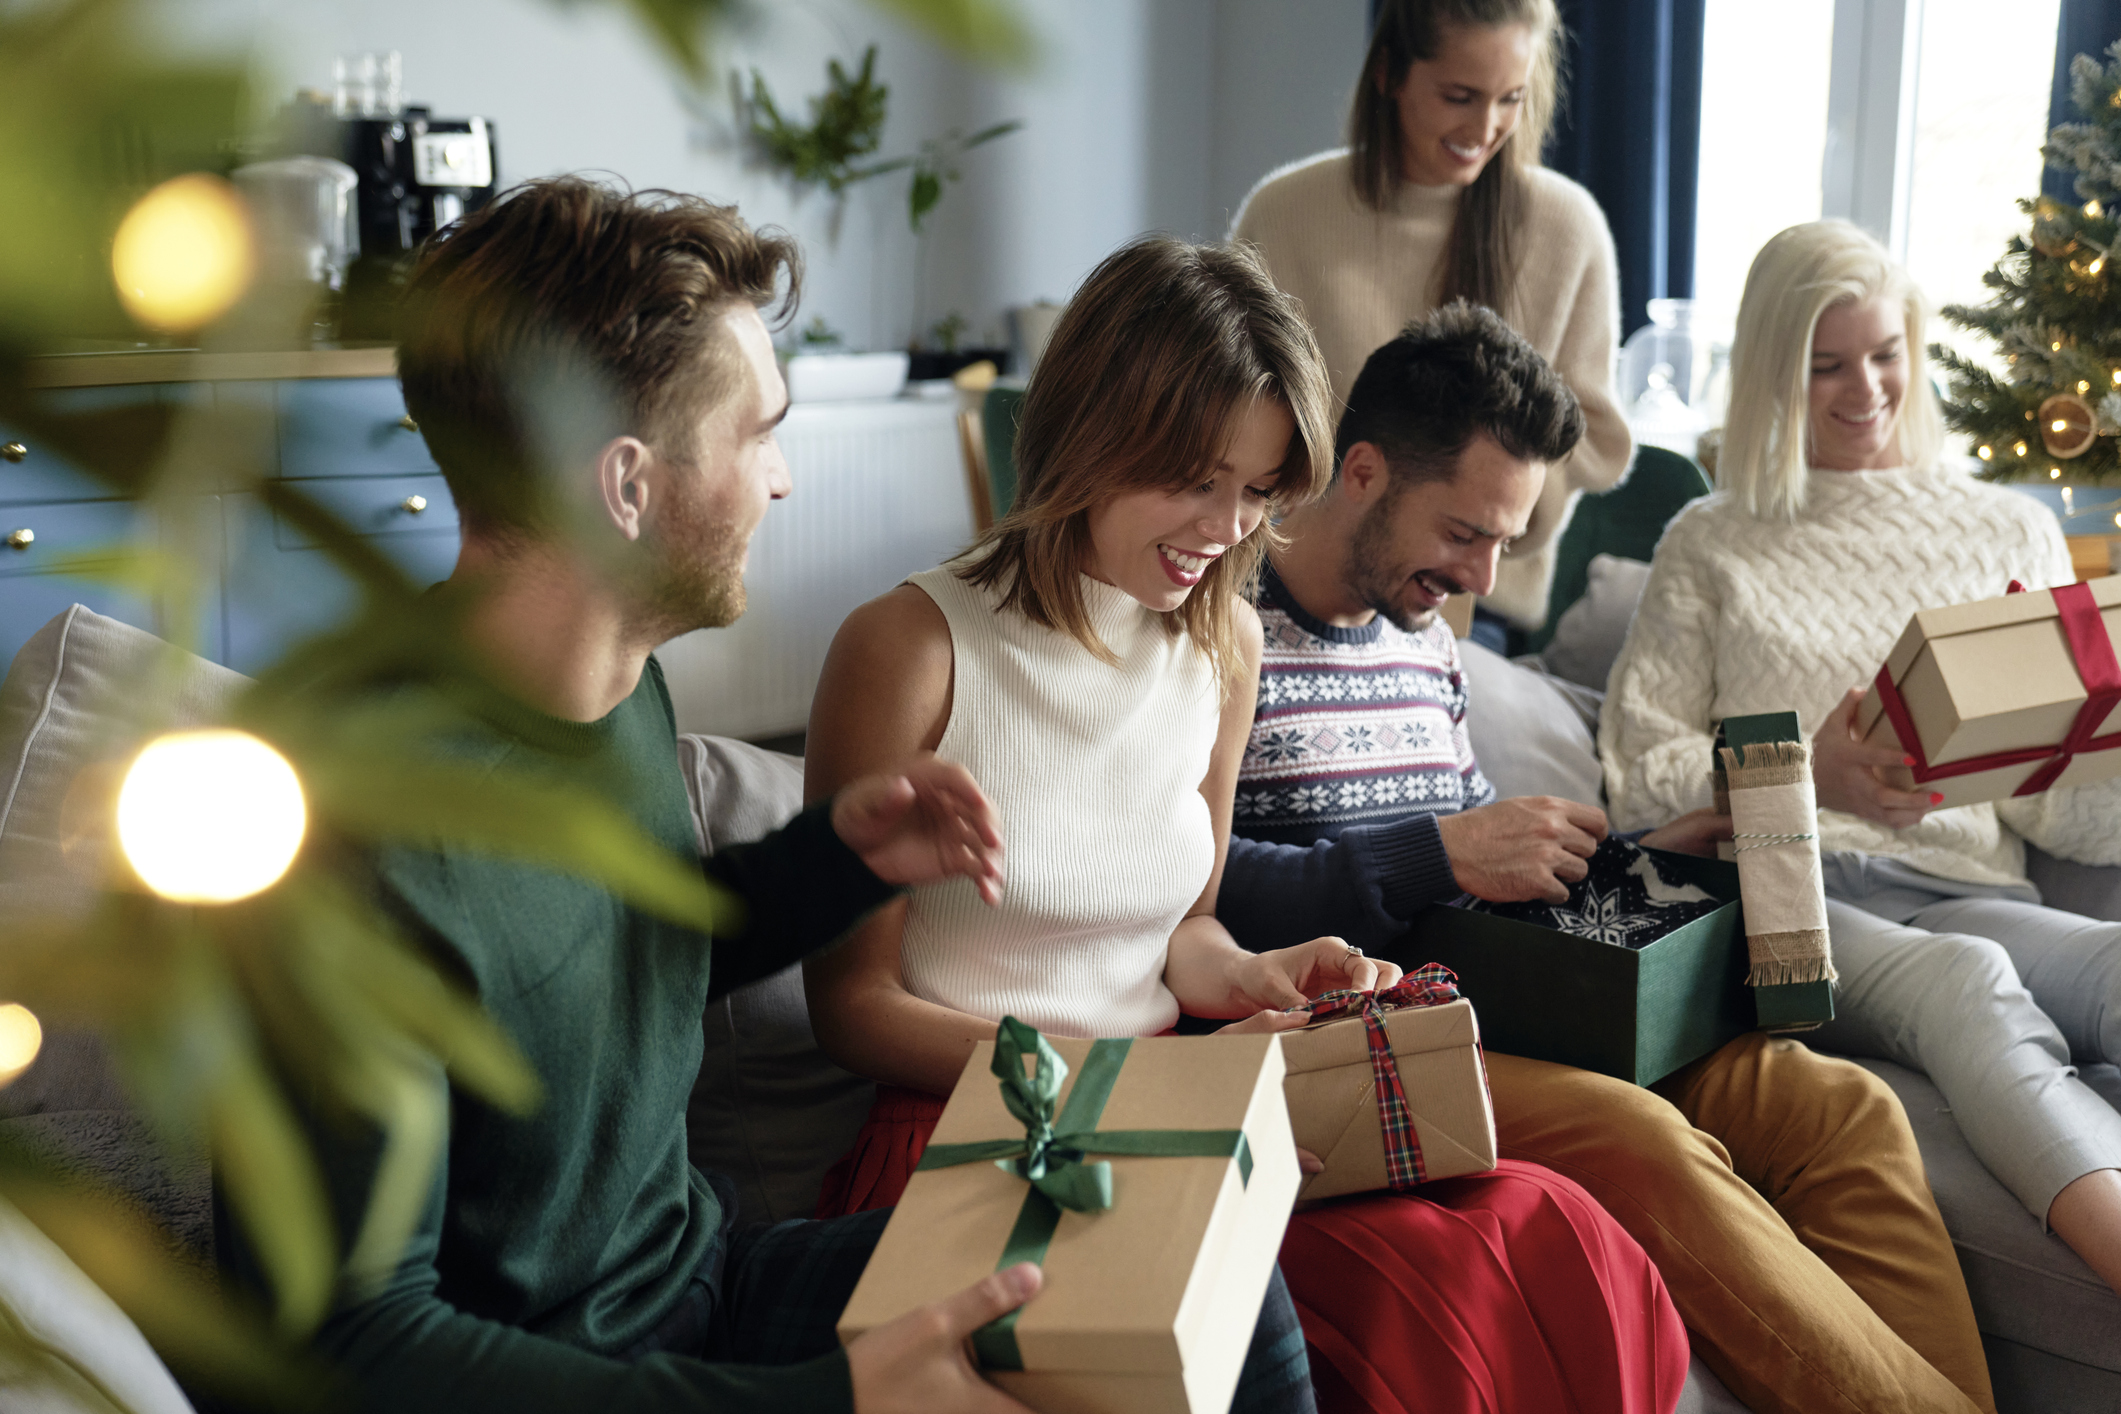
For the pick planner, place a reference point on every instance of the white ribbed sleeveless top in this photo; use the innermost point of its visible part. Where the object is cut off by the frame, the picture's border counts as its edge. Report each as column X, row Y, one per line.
column 1095, row 771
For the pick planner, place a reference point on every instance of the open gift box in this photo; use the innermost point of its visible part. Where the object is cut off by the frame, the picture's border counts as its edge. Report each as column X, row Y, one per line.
column 1635, row 1012
column 1149, row 1304
column 2007, row 696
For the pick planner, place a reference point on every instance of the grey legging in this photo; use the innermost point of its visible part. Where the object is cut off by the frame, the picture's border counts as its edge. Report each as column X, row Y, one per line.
column 1992, row 998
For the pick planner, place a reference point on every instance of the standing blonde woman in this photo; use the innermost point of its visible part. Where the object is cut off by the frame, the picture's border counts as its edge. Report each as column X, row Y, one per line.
column 1438, row 196
column 1835, row 519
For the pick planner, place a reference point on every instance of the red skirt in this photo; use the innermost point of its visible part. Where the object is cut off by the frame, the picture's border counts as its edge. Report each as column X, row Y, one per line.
column 1490, row 1294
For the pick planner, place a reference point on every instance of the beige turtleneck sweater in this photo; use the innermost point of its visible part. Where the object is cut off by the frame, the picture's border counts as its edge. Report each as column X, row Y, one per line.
column 1363, row 274
column 1743, row 614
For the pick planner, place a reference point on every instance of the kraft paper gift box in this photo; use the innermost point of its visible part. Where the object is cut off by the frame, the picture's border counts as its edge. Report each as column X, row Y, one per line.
column 1785, row 1006
column 1333, row 1095
column 1635, row 1013
column 2007, row 696
column 1148, row 1305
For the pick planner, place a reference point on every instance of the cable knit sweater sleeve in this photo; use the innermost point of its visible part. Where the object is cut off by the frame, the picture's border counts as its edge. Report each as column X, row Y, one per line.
column 1655, row 735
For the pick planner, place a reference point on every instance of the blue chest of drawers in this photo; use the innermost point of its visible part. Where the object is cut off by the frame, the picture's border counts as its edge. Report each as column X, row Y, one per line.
column 332, row 422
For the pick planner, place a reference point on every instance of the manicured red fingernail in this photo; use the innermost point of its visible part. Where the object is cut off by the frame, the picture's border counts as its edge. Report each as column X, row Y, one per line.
column 1936, row 797
column 1907, row 760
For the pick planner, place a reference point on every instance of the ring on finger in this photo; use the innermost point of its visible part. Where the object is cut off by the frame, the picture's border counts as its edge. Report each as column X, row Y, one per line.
column 1353, row 951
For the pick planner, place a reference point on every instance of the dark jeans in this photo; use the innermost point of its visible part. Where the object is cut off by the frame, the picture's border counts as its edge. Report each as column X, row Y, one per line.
column 775, row 1295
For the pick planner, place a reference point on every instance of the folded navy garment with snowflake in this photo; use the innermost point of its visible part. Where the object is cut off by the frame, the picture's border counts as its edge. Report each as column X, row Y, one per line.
column 1624, row 900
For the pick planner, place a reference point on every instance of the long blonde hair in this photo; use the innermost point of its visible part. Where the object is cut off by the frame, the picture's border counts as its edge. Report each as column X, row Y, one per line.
column 1800, row 274
column 1140, row 388
column 1480, row 261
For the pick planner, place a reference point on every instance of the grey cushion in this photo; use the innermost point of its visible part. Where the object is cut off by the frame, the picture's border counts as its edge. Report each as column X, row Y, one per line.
column 1533, row 733
column 2093, row 890
column 769, row 1111
column 1589, row 635
column 2052, row 1328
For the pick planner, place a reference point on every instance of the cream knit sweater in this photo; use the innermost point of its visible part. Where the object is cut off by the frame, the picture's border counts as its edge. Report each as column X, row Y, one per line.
column 1747, row 615
column 1362, row 274
column 1095, row 770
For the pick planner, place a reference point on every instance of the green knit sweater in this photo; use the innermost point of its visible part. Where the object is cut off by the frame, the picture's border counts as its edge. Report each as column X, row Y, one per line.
column 553, row 1241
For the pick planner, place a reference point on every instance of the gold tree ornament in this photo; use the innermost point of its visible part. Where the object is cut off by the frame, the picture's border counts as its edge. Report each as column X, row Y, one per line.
column 2068, row 426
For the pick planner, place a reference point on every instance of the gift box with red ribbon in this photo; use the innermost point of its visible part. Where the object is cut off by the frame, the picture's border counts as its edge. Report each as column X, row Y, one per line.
column 1388, row 1088
column 2005, row 697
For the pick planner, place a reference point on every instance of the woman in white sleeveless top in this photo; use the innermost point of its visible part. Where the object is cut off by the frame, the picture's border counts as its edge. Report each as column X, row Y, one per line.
column 1094, row 662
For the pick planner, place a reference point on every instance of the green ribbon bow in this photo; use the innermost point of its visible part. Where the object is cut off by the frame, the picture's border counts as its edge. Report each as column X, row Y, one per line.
column 1052, row 1152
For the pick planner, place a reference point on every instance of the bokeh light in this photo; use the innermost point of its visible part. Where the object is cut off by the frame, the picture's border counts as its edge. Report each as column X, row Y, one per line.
column 210, row 816
column 184, row 254
column 20, row 1040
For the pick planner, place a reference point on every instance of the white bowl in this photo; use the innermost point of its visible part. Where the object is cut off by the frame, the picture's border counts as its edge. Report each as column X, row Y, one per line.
column 839, row 377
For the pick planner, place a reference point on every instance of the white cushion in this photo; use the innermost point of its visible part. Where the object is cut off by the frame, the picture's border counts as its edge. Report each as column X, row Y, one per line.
column 768, row 1111
column 1533, row 734
column 1588, row 636
column 84, row 689
column 93, row 1360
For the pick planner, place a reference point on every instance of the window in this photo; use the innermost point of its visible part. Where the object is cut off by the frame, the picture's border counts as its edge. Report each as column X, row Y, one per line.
column 1980, row 117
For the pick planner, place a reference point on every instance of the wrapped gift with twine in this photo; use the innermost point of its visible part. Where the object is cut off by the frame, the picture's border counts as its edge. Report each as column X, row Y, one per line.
column 1765, row 783
column 1388, row 1088
column 1151, row 1179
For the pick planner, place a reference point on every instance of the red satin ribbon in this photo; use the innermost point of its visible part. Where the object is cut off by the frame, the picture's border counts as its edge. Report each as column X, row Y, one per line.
column 2093, row 653
column 1431, row 984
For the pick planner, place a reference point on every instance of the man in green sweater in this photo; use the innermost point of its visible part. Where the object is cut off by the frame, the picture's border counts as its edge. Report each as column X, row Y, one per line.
column 592, row 374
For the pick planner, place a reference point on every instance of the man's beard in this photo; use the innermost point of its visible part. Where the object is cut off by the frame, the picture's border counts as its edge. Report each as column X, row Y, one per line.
column 1376, row 580
column 695, row 574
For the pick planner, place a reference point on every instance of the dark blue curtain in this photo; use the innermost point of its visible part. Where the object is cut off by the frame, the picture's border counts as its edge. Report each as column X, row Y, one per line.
column 1630, row 131
column 2087, row 27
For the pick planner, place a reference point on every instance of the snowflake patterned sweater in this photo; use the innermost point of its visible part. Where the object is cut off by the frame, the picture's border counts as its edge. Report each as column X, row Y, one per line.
column 1358, row 743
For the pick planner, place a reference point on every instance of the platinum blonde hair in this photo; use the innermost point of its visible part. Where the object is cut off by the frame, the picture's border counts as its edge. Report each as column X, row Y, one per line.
column 1798, row 276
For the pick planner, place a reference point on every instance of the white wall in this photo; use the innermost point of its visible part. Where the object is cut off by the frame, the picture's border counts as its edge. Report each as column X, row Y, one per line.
column 1143, row 115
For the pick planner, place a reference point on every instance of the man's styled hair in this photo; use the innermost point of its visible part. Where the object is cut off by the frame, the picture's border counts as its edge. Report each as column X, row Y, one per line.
column 569, row 312
column 1799, row 275
column 1140, row 388
column 1422, row 398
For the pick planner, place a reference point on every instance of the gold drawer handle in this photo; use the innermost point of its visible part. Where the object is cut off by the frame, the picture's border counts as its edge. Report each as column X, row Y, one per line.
column 22, row 539
column 14, row 451
column 413, row 505
column 408, row 424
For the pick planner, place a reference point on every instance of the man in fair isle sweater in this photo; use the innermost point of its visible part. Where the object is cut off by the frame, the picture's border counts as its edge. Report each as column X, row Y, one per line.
column 1779, row 1191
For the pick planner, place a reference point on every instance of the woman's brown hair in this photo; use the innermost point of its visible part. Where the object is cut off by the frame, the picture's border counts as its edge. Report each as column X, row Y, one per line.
column 1158, row 354
column 1480, row 263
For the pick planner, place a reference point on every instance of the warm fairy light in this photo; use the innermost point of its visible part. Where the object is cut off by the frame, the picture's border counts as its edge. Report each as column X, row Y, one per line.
column 210, row 816
column 1985, row 453
column 2098, row 264
column 2019, row 449
column 184, row 253
column 2117, row 378
column 20, row 1040
column 2083, row 387
column 2091, row 208
column 2054, row 473
column 2055, row 347
column 2059, row 425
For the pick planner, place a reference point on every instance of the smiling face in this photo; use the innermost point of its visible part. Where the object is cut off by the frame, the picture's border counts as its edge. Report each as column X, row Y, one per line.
column 1157, row 545
column 1421, row 542
column 1858, row 378
column 1456, row 110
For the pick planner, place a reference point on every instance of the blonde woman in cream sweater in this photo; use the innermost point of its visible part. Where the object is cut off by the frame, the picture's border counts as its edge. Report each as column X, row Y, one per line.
column 1440, row 196
column 1836, row 520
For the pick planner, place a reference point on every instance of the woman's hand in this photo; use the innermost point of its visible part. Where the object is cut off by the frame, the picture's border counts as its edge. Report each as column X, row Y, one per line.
column 1275, row 981
column 1845, row 773
column 923, row 822
column 1695, row 832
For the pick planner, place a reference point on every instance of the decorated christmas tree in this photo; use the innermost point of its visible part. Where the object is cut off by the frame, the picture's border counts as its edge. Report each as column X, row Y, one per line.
column 2055, row 412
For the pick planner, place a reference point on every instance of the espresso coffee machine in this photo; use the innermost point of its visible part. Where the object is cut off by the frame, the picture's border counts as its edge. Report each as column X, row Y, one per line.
column 416, row 173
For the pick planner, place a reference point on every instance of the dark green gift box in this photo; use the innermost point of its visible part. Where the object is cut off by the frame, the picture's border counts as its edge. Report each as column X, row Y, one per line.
column 1636, row 1013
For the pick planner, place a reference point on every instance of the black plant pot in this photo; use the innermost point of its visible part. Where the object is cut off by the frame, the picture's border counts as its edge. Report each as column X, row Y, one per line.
column 928, row 364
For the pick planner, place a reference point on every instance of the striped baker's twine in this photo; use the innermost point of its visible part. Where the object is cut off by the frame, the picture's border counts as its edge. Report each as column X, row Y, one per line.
column 1768, row 841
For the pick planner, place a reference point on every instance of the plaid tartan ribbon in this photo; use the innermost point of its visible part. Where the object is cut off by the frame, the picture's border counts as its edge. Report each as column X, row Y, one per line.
column 1431, row 984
